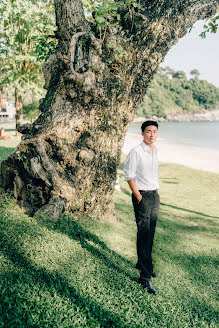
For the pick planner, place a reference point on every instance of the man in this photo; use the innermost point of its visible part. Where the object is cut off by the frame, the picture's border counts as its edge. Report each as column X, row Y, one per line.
column 141, row 172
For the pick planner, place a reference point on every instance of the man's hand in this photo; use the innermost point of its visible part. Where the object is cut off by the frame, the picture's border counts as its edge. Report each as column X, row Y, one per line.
column 135, row 190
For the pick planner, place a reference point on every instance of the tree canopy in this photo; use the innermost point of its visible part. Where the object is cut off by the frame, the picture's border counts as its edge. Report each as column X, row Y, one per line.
column 211, row 25
column 26, row 40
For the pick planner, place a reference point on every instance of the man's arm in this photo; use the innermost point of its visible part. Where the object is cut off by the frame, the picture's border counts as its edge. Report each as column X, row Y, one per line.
column 134, row 189
column 130, row 167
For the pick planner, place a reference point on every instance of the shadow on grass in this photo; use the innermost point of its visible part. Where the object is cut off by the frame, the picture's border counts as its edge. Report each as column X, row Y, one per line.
column 74, row 230
column 194, row 264
column 189, row 211
column 191, row 225
column 170, row 180
column 202, row 314
column 13, row 314
column 54, row 283
column 126, row 191
column 174, row 231
column 28, row 275
column 171, row 239
column 126, row 210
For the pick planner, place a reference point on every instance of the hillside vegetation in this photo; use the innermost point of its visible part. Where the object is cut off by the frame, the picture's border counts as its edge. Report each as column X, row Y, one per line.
column 171, row 92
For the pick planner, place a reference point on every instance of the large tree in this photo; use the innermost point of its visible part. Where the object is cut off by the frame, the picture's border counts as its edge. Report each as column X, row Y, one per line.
column 95, row 81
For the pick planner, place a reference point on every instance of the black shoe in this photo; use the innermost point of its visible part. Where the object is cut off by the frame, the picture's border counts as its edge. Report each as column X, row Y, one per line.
column 154, row 275
column 146, row 283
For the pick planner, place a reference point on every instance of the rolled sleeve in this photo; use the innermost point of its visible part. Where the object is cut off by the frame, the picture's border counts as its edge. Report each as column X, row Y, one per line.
column 130, row 165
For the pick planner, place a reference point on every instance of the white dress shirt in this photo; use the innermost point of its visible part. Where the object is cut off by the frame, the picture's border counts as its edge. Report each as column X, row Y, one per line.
column 141, row 164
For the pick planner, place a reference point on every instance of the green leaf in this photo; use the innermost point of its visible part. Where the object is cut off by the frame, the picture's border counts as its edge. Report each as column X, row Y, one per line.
column 100, row 19
column 135, row 5
column 202, row 35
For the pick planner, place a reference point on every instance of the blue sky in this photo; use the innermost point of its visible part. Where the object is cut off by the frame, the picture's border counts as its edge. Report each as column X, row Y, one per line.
column 193, row 52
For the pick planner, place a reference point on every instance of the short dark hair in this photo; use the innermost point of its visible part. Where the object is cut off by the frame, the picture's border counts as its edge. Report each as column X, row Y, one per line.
column 147, row 123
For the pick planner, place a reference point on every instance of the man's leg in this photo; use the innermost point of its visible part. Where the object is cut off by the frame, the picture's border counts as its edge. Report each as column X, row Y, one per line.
column 142, row 215
column 146, row 213
column 153, row 222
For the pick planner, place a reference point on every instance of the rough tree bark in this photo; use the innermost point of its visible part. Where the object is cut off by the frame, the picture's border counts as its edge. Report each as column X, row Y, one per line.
column 19, row 110
column 68, row 157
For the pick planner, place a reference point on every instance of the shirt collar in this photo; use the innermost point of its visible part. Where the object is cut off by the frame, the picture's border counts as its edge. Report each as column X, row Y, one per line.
column 146, row 148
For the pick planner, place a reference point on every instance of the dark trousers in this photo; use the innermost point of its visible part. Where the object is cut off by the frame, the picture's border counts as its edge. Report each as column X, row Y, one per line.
column 146, row 214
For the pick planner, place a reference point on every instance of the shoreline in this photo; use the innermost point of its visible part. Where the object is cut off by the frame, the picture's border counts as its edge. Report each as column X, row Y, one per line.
column 197, row 116
column 190, row 156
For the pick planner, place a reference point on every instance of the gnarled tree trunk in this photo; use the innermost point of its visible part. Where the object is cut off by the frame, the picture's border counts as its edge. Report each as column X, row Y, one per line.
column 19, row 110
column 67, row 159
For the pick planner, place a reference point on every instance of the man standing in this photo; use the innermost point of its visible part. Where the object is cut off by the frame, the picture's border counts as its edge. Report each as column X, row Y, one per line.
column 141, row 172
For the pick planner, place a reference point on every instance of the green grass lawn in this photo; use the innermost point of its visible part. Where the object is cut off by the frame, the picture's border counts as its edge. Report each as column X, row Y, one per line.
column 79, row 273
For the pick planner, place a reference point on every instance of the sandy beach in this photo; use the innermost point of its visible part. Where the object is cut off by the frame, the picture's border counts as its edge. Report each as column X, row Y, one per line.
column 194, row 157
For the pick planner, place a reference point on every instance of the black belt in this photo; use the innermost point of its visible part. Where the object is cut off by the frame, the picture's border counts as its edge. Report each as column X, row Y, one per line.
column 148, row 191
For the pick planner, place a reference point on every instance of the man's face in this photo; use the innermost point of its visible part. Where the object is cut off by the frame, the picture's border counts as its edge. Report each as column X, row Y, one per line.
column 150, row 134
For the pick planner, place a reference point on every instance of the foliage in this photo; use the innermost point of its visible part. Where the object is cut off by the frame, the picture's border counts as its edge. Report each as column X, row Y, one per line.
column 211, row 25
column 26, row 40
column 195, row 72
column 31, row 111
column 171, row 92
column 180, row 75
column 104, row 14
column 70, row 273
column 206, row 94
column 116, row 54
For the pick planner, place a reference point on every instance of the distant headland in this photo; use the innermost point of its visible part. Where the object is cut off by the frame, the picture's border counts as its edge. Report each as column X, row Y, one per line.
column 202, row 115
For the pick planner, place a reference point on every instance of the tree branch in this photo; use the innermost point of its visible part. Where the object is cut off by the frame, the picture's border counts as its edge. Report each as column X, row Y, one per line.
column 70, row 18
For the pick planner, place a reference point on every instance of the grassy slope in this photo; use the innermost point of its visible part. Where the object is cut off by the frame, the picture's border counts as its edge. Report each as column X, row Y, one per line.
column 70, row 273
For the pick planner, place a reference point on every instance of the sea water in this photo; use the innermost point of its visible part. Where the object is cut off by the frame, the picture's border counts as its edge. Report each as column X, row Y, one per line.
column 197, row 134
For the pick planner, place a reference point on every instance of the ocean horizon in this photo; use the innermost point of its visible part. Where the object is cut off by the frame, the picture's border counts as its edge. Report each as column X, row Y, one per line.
column 204, row 134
